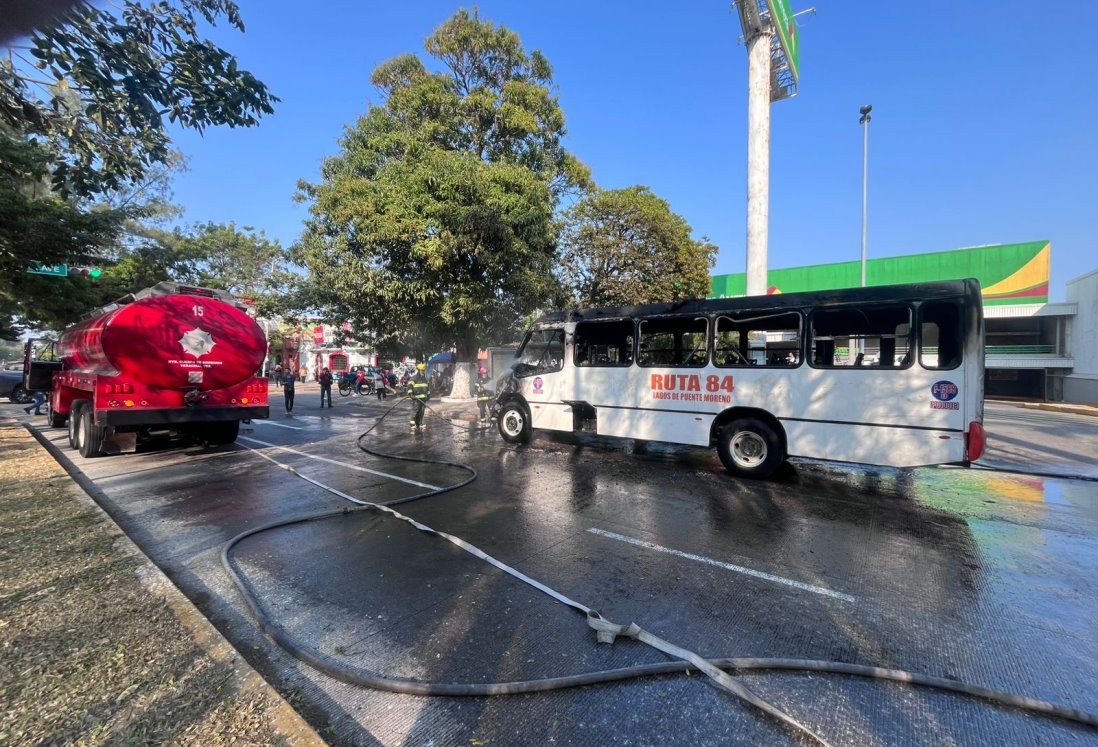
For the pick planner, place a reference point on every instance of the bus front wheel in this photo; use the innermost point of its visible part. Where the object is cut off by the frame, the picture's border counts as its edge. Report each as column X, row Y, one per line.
column 750, row 448
column 514, row 424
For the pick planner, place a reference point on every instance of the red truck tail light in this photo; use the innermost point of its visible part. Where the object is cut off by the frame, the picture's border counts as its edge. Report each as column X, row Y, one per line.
column 256, row 386
column 975, row 441
column 118, row 388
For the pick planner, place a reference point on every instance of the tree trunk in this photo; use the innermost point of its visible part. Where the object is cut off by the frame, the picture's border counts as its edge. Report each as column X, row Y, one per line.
column 463, row 381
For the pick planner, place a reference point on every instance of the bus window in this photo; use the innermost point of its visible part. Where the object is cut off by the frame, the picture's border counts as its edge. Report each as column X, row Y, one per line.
column 673, row 341
column 604, row 343
column 541, row 352
column 750, row 340
column 940, row 334
column 878, row 336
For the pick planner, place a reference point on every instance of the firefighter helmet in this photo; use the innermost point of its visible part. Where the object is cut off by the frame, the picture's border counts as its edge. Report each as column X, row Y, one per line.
column 421, row 366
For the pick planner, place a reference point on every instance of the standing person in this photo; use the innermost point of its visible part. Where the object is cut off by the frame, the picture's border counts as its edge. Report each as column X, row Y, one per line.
column 360, row 379
column 379, row 385
column 417, row 388
column 288, row 391
column 39, row 398
column 325, row 380
column 483, row 395
column 278, row 375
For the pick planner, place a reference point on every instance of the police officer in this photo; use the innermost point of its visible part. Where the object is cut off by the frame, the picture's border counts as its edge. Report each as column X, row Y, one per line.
column 483, row 395
column 417, row 389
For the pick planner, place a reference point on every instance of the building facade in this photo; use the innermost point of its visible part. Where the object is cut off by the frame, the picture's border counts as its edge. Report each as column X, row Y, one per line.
column 1081, row 384
column 1030, row 344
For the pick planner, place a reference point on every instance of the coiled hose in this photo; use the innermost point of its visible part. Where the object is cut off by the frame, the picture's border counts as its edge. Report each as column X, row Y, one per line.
column 715, row 668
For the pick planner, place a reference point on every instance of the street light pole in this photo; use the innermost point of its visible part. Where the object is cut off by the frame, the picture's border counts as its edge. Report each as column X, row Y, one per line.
column 864, row 121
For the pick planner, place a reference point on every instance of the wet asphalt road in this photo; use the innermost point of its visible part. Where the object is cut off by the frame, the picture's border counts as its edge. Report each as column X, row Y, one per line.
column 986, row 577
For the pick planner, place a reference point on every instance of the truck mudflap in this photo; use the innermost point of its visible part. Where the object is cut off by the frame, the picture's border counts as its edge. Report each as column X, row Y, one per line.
column 178, row 416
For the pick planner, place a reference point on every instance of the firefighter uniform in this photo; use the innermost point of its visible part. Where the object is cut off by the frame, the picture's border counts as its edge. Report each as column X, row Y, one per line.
column 417, row 389
column 484, row 396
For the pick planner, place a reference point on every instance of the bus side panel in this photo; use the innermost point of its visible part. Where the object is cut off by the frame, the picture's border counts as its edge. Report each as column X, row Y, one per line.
column 647, row 425
column 889, row 447
column 550, row 416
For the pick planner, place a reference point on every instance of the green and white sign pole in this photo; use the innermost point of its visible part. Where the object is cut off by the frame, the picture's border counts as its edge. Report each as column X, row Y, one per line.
column 769, row 29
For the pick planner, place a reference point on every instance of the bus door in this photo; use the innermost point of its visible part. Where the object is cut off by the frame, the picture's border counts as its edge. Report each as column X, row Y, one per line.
column 538, row 373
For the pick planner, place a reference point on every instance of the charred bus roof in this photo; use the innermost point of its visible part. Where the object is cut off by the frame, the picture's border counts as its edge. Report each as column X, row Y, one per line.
column 968, row 288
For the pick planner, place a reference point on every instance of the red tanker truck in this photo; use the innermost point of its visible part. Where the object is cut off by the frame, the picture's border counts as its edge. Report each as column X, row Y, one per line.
column 171, row 359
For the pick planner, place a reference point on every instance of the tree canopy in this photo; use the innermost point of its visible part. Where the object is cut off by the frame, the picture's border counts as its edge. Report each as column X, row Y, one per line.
column 626, row 246
column 83, row 107
column 434, row 225
column 242, row 261
column 95, row 88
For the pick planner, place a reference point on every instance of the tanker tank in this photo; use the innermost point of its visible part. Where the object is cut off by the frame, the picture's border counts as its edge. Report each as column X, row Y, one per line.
column 169, row 342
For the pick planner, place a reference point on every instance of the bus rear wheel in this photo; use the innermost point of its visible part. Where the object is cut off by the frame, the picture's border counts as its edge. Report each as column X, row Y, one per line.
column 514, row 424
column 749, row 447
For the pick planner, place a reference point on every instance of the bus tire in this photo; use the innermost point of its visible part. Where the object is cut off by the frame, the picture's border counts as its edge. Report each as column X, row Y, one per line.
column 89, row 436
column 514, row 424
column 750, row 448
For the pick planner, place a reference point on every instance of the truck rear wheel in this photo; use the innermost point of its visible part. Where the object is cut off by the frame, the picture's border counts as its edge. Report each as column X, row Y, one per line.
column 56, row 419
column 74, row 422
column 89, row 436
column 218, row 434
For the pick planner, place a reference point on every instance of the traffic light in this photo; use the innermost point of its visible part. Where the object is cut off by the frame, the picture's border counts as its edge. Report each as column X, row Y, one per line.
column 87, row 272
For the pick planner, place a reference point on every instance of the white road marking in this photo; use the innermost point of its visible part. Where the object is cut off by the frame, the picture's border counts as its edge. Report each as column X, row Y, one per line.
column 280, row 425
column 727, row 566
column 398, row 478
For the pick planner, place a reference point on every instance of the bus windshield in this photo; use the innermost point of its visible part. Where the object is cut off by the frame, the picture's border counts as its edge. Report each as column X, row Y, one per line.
column 542, row 351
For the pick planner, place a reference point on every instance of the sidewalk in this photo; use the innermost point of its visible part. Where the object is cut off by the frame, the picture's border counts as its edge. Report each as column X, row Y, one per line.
column 98, row 646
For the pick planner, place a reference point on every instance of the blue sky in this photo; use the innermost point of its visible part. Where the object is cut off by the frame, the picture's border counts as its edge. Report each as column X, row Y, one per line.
column 983, row 118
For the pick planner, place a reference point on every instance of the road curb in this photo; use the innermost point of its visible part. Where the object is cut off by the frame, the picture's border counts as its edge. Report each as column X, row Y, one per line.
column 1070, row 409
column 286, row 722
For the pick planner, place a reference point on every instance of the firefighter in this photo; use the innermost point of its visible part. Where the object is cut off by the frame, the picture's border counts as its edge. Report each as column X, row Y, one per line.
column 483, row 395
column 417, row 390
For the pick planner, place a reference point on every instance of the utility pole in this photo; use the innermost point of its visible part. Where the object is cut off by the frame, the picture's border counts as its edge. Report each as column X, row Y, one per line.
column 864, row 122
column 758, row 159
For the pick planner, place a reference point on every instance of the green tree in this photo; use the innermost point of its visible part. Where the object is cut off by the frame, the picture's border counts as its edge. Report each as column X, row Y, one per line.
column 82, row 117
column 242, row 261
column 96, row 87
column 625, row 246
column 38, row 226
column 434, row 225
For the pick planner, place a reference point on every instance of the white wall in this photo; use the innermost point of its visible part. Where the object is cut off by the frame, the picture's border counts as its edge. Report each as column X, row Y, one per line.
column 1082, row 384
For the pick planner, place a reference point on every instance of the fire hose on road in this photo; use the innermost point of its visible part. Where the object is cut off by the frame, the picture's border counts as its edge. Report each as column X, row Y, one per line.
column 606, row 631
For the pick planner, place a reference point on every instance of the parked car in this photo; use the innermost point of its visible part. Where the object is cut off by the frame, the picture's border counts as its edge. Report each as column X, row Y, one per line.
column 11, row 386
